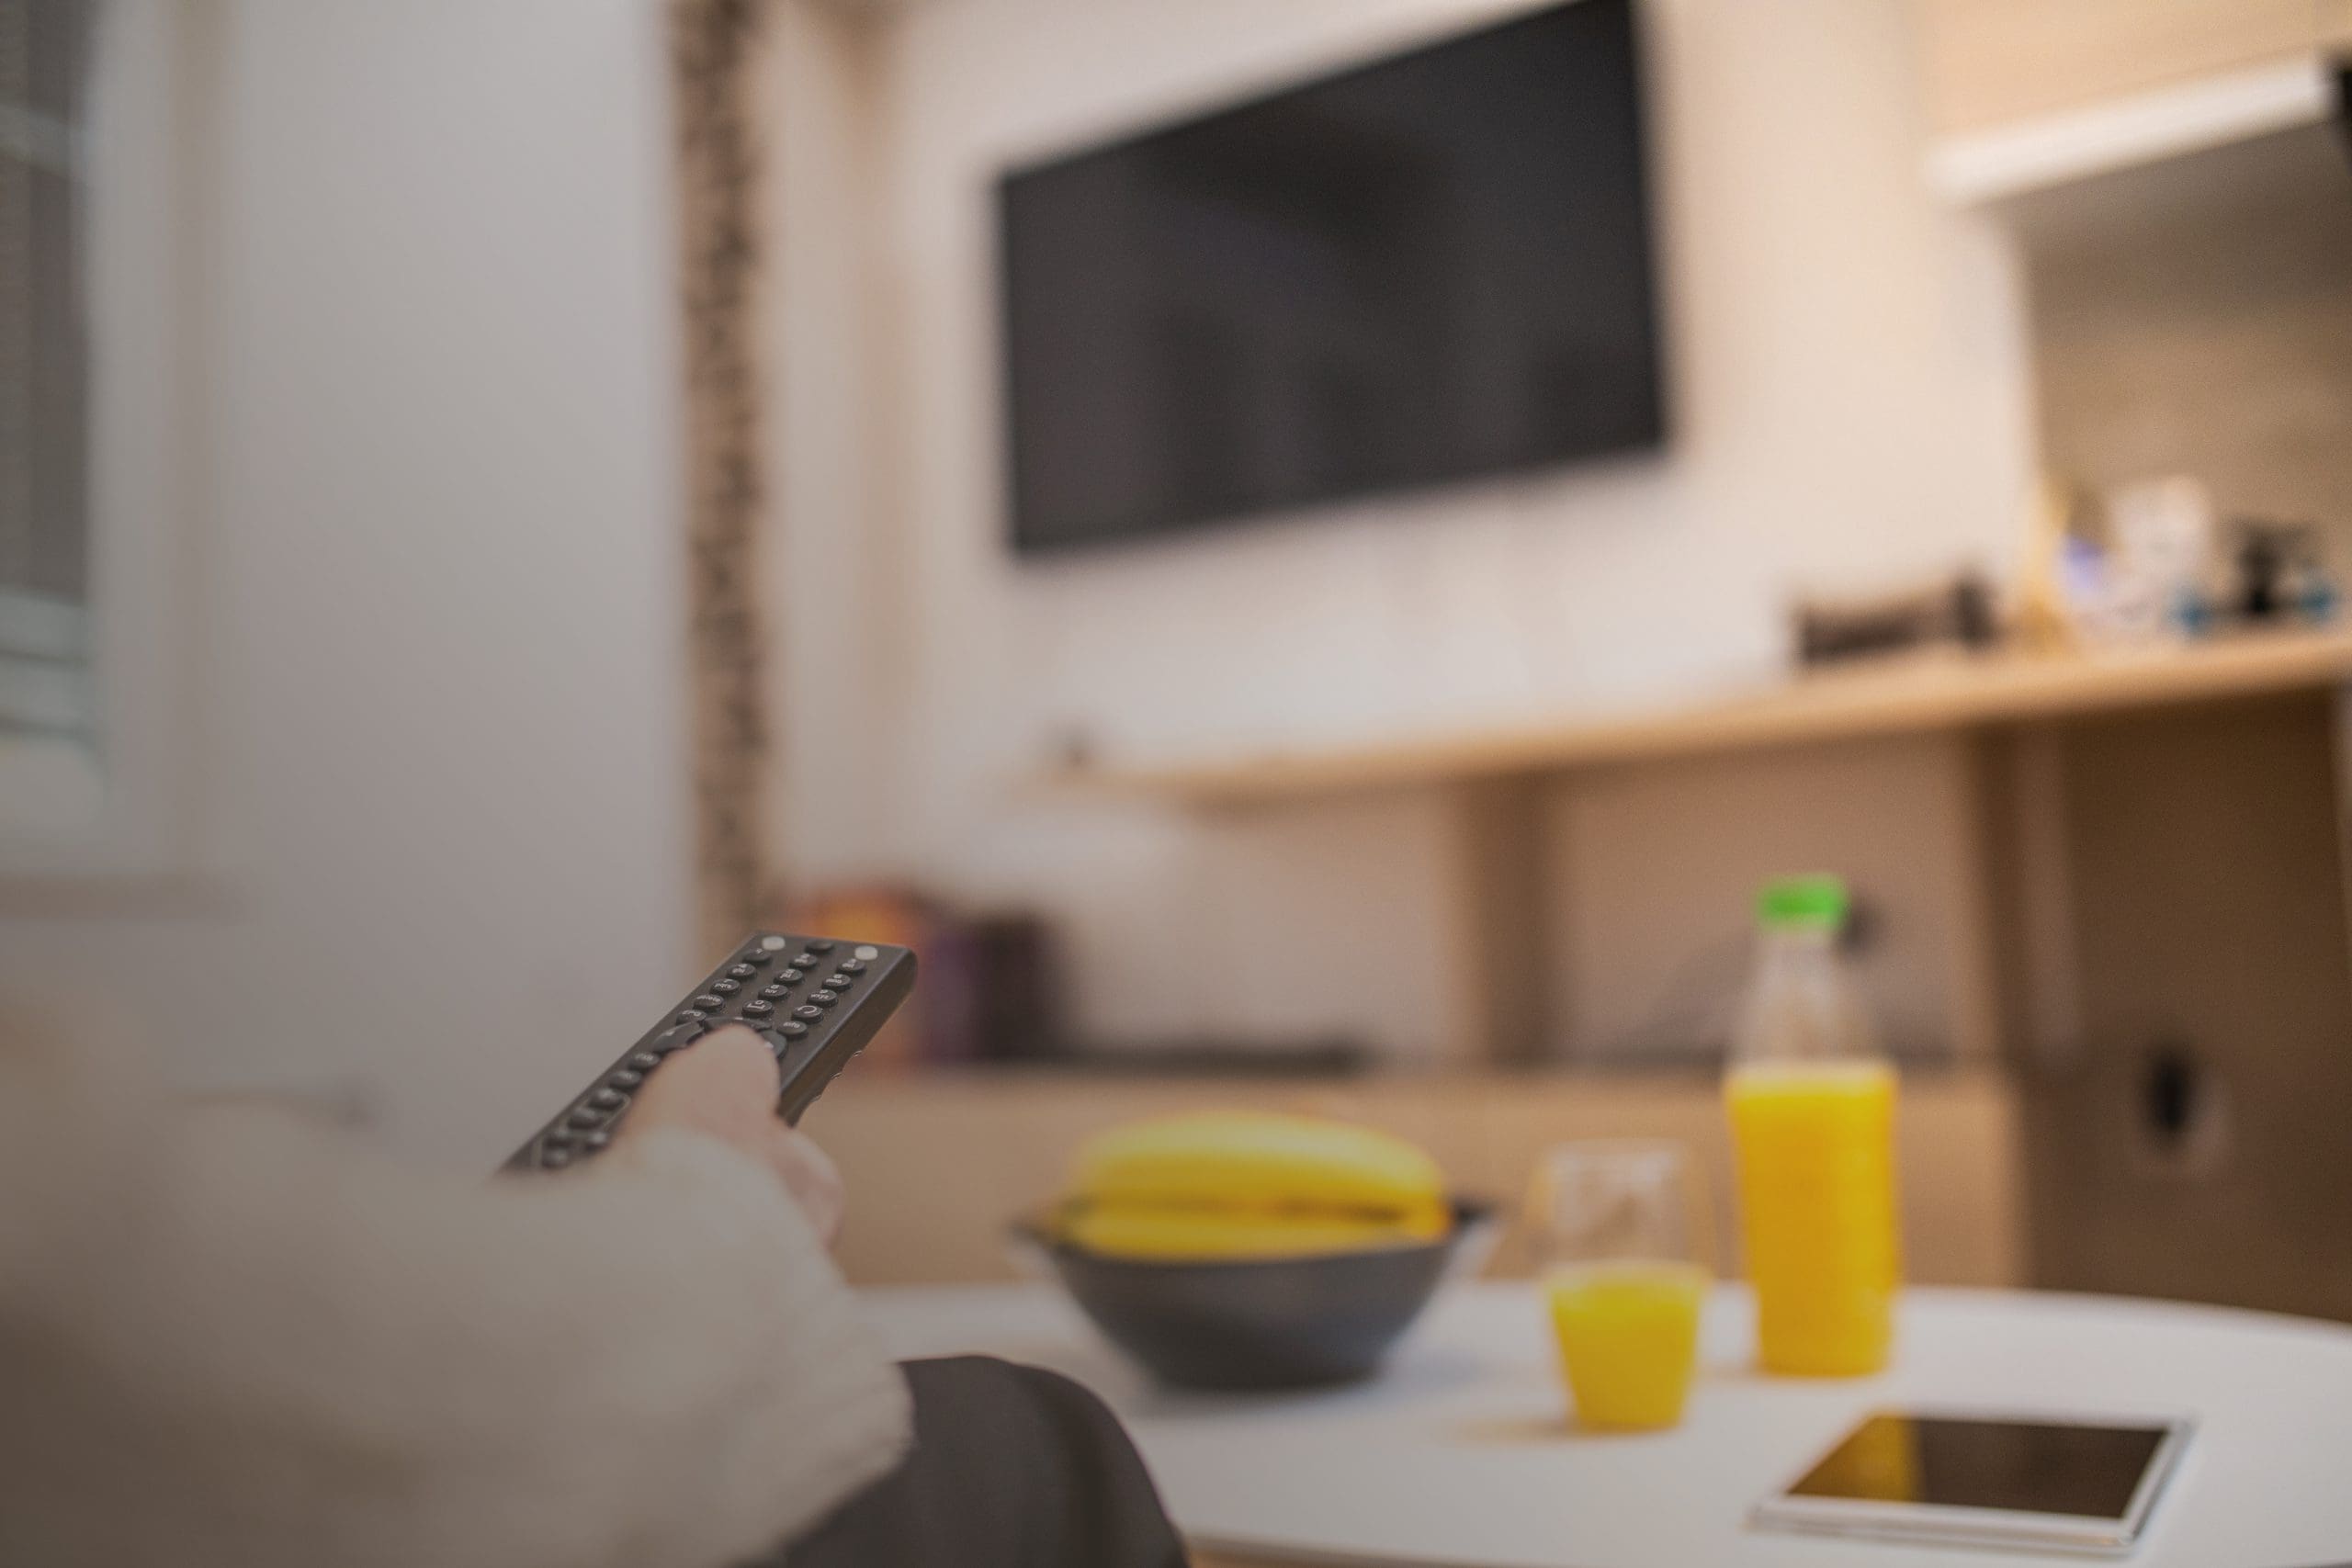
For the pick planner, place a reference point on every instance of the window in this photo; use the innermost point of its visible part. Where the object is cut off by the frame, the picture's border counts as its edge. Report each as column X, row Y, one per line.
column 106, row 140
column 45, row 686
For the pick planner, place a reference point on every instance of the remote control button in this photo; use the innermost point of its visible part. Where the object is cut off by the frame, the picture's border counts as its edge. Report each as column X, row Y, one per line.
column 707, row 1003
column 790, row 977
column 851, row 966
column 840, row 982
column 805, row 961
column 821, row 947
column 743, row 972
column 585, row 1118
column 645, row 1061
column 608, row 1100
column 595, row 1140
column 770, row 993
column 555, row 1159
column 627, row 1078
column 792, row 1031
column 807, row 1014
column 774, row 944
column 823, row 998
column 679, row 1037
column 869, row 953
column 555, row 1138
column 691, row 1015
column 727, row 988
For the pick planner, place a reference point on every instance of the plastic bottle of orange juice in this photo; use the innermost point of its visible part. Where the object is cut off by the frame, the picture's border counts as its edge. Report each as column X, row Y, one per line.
column 1812, row 1105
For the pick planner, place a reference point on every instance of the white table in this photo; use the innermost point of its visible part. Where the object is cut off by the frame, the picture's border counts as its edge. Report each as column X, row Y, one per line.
column 1457, row 1454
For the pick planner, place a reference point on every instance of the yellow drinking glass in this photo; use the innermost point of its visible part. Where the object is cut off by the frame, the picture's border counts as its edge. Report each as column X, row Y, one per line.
column 1617, row 1238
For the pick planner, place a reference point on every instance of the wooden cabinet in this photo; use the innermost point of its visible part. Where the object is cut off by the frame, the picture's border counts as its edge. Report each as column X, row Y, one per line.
column 1990, row 62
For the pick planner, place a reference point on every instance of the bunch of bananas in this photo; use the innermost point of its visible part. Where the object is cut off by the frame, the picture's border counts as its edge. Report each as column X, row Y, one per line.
column 1234, row 1184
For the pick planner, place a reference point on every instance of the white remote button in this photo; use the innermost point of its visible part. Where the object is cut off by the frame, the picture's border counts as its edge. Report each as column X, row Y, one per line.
column 772, row 944
column 869, row 953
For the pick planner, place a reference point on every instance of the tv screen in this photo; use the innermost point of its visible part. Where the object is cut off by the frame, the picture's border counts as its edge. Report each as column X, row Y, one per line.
column 1428, row 268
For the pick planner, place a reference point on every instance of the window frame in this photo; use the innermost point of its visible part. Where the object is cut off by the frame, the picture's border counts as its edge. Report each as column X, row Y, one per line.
column 120, row 804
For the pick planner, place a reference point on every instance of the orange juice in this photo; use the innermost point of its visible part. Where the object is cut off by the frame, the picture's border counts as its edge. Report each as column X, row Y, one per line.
column 1629, row 1337
column 1818, row 1206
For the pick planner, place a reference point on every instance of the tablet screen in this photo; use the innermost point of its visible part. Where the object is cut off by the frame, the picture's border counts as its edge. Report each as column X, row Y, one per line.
column 2020, row 1466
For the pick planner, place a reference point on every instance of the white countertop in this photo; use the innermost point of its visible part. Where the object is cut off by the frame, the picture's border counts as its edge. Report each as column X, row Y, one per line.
column 1457, row 1454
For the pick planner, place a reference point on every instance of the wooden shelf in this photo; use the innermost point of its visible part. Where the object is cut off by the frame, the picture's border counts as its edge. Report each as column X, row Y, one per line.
column 1911, row 695
column 2131, row 131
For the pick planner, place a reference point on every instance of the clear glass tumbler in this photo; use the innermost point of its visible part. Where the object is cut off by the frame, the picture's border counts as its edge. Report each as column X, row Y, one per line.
column 1619, row 1244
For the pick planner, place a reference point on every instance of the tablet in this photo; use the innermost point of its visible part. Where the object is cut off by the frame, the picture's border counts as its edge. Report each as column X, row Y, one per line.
column 2063, row 1482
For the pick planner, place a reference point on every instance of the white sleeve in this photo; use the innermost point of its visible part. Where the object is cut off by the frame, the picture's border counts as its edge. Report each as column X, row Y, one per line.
column 233, row 1338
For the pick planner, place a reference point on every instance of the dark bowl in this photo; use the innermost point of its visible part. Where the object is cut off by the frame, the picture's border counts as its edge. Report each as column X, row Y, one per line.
column 1263, row 1323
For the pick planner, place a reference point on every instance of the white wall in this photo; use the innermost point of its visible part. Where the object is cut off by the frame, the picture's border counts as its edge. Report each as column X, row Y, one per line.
column 1848, row 410
column 439, row 609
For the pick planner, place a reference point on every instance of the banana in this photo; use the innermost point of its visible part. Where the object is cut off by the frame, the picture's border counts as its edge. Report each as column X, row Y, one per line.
column 1253, row 1156
column 1249, row 1184
column 1202, row 1234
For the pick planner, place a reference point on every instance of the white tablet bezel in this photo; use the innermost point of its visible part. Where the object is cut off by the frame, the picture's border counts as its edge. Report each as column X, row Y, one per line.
column 1946, row 1524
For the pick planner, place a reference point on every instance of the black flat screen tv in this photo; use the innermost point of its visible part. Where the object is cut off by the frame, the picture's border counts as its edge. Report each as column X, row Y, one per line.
column 1428, row 268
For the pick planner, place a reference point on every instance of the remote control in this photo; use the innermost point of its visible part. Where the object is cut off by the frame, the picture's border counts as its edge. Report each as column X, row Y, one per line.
column 815, row 1001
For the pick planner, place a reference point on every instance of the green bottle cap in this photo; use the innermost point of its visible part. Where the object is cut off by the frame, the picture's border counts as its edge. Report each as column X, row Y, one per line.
column 1816, row 902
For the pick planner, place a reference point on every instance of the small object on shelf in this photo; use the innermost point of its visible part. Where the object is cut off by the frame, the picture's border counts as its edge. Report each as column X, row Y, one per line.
column 2043, row 595
column 2279, row 574
column 2274, row 576
column 886, row 917
column 2159, row 556
column 991, row 988
column 2151, row 560
column 1957, row 611
column 999, row 999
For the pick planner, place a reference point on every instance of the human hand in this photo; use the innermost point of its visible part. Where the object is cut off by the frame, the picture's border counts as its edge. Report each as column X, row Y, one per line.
column 725, row 1085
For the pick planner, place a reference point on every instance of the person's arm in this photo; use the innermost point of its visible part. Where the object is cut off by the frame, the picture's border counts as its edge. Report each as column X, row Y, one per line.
column 233, row 1338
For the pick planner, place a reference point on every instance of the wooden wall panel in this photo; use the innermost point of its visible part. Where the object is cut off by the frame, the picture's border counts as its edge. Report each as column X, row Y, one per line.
column 2211, row 926
column 1500, row 977
column 1654, row 872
